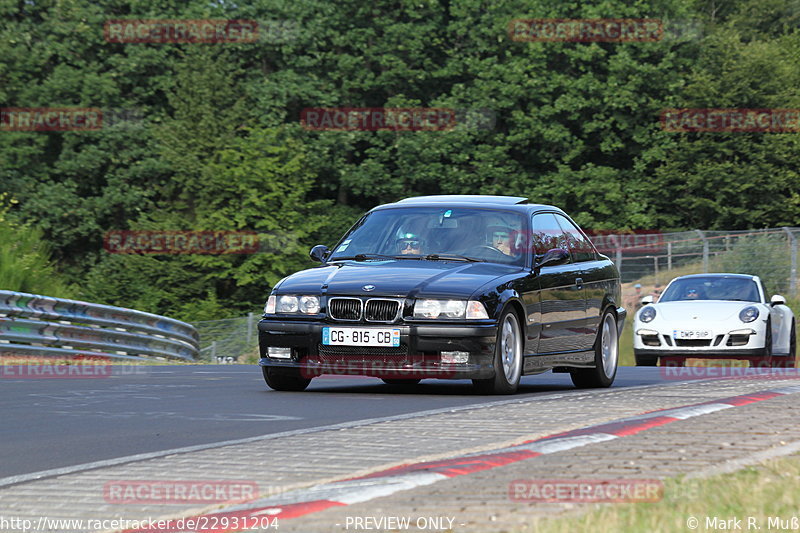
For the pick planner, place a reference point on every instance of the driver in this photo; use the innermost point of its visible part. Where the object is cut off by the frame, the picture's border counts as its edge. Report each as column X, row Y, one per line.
column 691, row 294
column 500, row 238
column 409, row 243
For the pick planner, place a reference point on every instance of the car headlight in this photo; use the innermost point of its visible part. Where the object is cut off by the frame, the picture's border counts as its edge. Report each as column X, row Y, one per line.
column 309, row 305
column 269, row 308
column 449, row 309
column 287, row 304
column 647, row 314
column 748, row 314
column 291, row 304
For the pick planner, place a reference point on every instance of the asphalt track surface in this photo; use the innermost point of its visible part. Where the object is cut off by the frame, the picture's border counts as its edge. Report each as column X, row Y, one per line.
column 54, row 423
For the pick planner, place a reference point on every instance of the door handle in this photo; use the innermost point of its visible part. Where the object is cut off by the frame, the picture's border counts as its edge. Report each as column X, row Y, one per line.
column 579, row 283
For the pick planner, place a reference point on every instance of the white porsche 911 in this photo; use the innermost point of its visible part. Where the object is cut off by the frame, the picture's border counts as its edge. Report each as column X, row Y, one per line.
column 721, row 316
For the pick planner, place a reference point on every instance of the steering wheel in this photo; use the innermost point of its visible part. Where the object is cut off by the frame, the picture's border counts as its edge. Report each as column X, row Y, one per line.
column 487, row 247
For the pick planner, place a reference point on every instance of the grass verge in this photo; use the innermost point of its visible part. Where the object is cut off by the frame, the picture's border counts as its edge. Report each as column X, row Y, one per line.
column 768, row 493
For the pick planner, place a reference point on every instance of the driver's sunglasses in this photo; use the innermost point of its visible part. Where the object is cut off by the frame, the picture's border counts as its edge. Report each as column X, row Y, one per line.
column 692, row 291
column 414, row 245
column 500, row 236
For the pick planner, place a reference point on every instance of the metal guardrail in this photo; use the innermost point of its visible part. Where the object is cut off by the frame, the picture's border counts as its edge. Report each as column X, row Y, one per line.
column 35, row 325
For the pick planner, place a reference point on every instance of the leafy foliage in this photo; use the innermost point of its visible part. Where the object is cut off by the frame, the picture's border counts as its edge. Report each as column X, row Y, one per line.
column 211, row 135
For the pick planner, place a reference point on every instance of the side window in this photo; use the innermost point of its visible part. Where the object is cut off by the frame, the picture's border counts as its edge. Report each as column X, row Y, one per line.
column 547, row 234
column 580, row 247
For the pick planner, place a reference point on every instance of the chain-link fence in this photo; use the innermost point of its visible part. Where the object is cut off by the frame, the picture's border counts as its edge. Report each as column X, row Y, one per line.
column 229, row 339
column 655, row 258
column 649, row 258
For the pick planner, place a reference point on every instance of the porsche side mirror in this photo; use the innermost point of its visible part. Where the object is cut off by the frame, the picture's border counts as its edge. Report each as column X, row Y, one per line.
column 647, row 299
column 318, row 253
column 553, row 257
column 777, row 299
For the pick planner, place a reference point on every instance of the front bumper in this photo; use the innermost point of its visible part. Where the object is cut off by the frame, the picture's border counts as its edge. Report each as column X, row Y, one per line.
column 418, row 356
column 703, row 354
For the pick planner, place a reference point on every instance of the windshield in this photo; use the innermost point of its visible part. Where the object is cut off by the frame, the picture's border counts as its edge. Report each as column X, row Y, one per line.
column 419, row 232
column 712, row 288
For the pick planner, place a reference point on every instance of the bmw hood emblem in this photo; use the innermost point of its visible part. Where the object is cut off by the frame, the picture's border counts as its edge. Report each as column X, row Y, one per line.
column 368, row 288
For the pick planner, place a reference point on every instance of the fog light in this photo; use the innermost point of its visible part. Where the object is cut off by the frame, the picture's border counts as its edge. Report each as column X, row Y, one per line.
column 742, row 332
column 455, row 357
column 646, row 332
column 279, row 353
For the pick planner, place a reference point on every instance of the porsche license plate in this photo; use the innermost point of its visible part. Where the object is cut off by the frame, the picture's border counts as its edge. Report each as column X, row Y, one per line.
column 361, row 337
column 691, row 334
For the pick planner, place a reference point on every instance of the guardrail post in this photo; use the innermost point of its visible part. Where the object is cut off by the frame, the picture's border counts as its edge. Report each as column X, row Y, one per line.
column 249, row 329
column 793, row 271
column 705, row 250
column 655, row 264
column 669, row 256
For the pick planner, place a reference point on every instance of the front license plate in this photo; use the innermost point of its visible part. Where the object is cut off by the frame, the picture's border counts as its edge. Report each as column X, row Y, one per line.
column 691, row 334
column 361, row 336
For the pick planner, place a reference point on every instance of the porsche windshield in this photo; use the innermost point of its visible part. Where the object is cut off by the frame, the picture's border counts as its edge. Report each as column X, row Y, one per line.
column 423, row 232
column 712, row 288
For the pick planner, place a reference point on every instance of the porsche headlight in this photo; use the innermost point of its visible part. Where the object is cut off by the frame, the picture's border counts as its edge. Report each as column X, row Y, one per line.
column 748, row 314
column 647, row 314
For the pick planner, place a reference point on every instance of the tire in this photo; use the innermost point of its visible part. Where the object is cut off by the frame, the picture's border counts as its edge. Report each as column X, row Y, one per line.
column 606, row 357
column 766, row 361
column 401, row 381
column 284, row 379
column 645, row 359
column 507, row 357
column 788, row 361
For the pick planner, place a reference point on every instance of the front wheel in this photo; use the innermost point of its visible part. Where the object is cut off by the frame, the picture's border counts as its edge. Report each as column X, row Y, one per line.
column 284, row 379
column 606, row 356
column 507, row 358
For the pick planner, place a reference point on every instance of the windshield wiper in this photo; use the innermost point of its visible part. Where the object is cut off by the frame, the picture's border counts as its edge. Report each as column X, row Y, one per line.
column 451, row 257
column 367, row 257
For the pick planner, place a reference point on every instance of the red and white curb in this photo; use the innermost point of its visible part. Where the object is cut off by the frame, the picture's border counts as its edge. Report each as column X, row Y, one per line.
column 361, row 489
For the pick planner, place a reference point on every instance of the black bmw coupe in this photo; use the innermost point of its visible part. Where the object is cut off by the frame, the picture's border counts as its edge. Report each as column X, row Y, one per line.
column 487, row 288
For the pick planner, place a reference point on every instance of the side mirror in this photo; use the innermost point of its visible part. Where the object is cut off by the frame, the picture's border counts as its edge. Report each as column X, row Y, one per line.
column 318, row 253
column 777, row 299
column 647, row 299
column 553, row 257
